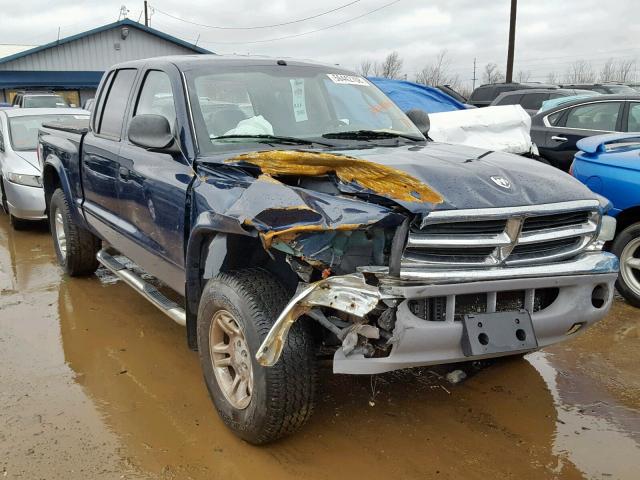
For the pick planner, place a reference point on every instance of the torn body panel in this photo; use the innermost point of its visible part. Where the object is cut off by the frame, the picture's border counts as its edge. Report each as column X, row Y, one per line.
column 315, row 226
column 349, row 294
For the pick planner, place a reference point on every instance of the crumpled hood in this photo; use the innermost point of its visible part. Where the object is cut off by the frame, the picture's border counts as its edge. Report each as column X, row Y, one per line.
column 463, row 176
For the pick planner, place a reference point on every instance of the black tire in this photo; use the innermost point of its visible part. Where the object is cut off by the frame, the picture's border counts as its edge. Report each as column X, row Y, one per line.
column 624, row 238
column 283, row 395
column 18, row 223
column 3, row 199
column 81, row 245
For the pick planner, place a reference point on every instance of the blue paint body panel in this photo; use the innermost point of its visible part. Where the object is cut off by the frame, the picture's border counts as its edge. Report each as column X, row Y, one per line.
column 409, row 95
column 610, row 166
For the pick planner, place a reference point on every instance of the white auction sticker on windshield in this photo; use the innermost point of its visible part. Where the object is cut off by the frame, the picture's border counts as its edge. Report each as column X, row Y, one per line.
column 298, row 98
column 347, row 79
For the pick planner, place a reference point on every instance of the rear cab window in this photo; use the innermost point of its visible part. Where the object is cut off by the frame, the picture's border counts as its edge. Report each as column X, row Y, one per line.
column 115, row 103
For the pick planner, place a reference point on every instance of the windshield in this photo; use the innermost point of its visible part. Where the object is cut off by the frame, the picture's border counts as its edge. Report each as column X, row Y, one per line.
column 44, row 101
column 23, row 131
column 305, row 103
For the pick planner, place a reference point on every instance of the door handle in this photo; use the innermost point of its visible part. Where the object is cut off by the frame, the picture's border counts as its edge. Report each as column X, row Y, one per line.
column 123, row 173
column 559, row 139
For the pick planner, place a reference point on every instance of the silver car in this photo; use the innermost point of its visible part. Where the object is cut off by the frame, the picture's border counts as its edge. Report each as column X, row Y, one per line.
column 20, row 182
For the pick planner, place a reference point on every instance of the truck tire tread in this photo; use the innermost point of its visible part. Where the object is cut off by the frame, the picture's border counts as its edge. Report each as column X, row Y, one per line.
column 82, row 245
column 292, row 381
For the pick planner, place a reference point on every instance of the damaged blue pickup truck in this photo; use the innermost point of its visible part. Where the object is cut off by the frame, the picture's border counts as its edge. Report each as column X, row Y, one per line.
column 285, row 210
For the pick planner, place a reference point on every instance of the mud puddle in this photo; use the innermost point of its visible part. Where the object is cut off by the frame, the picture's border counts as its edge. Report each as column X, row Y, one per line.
column 96, row 383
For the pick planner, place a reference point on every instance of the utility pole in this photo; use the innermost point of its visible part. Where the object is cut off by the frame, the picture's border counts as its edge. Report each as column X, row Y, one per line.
column 474, row 73
column 512, row 40
column 146, row 14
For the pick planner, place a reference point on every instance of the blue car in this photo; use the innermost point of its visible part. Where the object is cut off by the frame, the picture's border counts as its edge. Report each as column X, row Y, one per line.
column 610, row 165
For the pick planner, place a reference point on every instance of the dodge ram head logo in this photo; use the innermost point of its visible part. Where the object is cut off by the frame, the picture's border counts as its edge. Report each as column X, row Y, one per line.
column 501, row 181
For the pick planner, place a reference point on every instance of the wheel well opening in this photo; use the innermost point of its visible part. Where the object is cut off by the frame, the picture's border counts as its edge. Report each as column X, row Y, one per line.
column 50, row 182
column 626, row 218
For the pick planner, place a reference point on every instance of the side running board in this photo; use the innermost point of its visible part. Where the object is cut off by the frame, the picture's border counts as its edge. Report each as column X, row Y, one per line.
column 151, row 293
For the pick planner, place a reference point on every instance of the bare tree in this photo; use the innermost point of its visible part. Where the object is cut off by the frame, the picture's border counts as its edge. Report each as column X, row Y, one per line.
column 437, row 73
column 365, row 68
column 552, row 78
column 580, row 71
column 617, row 70
column 390, row 67
column 523, row 76
column 625, row 71
column 492, row 74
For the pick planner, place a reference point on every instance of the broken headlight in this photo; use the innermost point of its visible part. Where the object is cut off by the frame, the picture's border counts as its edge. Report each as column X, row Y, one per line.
column 607, row 233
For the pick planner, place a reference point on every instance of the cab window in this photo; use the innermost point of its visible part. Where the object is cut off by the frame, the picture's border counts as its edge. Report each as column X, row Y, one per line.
column 156, row 97
column 116, row 103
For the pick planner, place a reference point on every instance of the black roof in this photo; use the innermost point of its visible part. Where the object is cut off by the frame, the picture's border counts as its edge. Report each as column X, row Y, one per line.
column 527, row 85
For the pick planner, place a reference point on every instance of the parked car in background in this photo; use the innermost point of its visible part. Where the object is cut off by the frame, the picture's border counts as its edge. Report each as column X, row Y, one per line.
column 88, row 104
column 409, row 96
column 557, row 130
column 21, row 191
column 33, row 99
column 635, row 86
column 483, row 95
column 311, row 212
column 504, row 129
column 608, row 88
column 610, row 165
column 449, row 90
column 531, row 99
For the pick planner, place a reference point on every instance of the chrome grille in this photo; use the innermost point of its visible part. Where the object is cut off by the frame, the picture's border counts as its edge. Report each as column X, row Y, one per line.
column 510, row 236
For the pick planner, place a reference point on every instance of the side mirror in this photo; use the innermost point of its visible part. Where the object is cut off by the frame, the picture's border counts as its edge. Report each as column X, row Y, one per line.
column 420, row 119
column 152, row 132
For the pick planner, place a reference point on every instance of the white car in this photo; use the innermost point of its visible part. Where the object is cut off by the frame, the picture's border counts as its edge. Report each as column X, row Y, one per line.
column 20, row 182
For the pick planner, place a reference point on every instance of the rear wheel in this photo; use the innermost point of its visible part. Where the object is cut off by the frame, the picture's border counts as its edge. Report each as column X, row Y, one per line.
column 627, row 247
column 259, row 404
column 76, row 248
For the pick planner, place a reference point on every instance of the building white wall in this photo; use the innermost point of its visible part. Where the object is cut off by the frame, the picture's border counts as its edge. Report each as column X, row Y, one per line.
column 98, row 52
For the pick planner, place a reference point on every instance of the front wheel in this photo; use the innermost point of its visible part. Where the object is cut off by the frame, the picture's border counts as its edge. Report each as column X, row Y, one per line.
column 259, row 404
column 76, row 248
column 627, row 247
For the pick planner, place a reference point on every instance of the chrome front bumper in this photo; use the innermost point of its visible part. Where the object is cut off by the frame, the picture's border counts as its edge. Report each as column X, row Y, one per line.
column 25, row 202
column 418, row 342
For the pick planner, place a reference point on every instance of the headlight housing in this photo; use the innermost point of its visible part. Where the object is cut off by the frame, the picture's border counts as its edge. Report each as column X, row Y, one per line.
column 22, row 179
column 607, row 233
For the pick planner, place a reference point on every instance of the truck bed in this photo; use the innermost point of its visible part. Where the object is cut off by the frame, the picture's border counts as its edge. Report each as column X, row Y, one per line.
column 77, row 126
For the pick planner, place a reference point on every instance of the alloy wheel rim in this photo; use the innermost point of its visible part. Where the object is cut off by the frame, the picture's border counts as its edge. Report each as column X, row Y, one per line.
column 231, row 359
column 630, row 265
column 61, row 237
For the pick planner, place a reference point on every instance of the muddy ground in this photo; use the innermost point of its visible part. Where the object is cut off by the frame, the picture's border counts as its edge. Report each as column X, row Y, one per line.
column 95, row 383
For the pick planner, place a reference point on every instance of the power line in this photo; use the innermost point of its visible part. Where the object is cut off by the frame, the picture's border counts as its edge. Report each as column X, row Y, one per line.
column 258, row 26
column 308, row 32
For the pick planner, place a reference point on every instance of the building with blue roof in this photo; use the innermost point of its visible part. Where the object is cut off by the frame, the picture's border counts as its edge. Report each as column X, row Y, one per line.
column 73, row 66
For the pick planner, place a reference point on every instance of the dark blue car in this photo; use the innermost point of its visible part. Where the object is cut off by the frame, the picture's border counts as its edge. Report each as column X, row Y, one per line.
column 610, row 165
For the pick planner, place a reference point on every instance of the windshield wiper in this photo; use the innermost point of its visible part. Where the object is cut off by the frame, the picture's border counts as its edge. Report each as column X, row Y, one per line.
column 273, row 139
column 371, row 135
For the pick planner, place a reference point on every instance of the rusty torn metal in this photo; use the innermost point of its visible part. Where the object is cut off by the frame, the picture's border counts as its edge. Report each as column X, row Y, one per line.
column 377, row 178
column 346, row 293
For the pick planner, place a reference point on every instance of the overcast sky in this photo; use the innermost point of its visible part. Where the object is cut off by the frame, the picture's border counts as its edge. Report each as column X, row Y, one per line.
column 550, row 34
